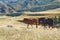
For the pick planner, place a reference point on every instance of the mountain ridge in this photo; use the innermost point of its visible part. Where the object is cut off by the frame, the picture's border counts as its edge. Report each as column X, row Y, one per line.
column 32, row 5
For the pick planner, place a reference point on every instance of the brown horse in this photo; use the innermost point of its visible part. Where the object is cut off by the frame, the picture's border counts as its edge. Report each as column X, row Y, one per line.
column 30, row 21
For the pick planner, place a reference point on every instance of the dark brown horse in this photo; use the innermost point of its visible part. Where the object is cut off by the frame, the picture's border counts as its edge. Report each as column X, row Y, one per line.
column 49, row 22
column 44, row 22
column 30, row 21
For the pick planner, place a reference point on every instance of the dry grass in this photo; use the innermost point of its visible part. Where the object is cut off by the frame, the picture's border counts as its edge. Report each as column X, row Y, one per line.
column 29, row 34
column 20, row 32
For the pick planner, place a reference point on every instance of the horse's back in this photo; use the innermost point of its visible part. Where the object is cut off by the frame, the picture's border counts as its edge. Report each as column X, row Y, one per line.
column 49, row 21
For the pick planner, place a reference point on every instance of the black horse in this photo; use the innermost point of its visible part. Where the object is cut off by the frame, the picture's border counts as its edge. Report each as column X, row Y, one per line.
column 46, row 22
column 49, row 22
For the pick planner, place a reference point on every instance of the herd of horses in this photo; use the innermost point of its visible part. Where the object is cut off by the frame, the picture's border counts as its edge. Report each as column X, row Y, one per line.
column 39, row 21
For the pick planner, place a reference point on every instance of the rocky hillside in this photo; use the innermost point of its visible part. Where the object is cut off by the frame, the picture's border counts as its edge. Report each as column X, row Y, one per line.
column 29, row 5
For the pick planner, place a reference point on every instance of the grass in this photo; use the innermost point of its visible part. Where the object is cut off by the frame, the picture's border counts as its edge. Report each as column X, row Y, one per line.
column 29, row 34
column 20, row 32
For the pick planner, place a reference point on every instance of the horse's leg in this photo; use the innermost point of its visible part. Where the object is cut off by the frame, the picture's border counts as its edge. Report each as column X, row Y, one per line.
column 36, row 25
column 27, row 25
column 52, row 26
column 49, row 26
column 44, row 26
column 31, row 25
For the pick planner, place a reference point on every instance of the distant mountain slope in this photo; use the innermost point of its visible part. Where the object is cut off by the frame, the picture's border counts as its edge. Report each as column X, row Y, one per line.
column 45, row 7
column 27, row 4
column 5, row 8
column 32, row 5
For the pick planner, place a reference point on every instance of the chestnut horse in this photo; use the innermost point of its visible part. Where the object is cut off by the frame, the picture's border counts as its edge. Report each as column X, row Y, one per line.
column 30, row 21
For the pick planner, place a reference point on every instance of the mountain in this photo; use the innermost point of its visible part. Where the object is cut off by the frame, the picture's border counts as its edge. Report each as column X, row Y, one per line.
column 4, row 8
column 27, row 4
column 30, row 5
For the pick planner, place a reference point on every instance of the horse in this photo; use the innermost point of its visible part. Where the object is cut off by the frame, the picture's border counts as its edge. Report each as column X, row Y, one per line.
column 49, row 22
column 44, row 22
column 30, row 21
column 41, row 21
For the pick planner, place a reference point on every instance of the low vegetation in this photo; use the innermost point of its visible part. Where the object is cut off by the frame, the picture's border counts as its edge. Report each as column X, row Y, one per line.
column 7, row 33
